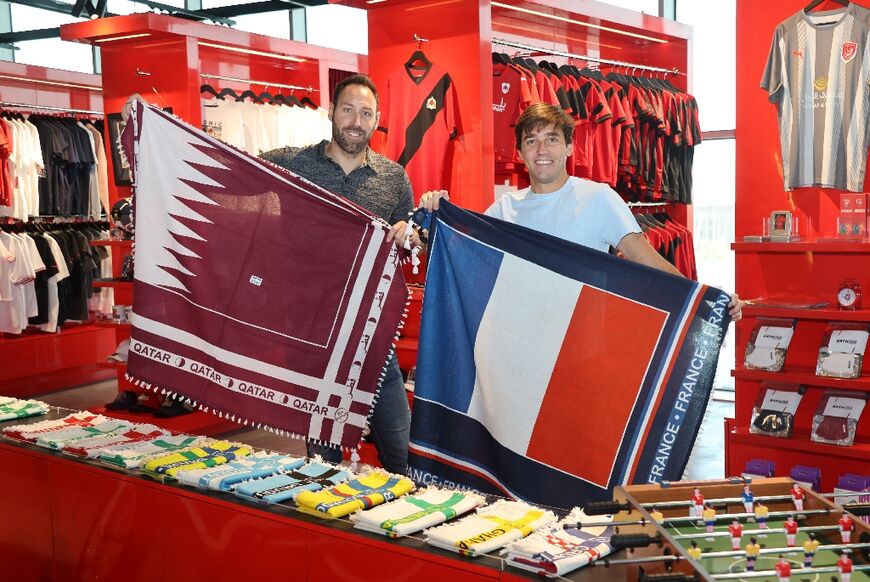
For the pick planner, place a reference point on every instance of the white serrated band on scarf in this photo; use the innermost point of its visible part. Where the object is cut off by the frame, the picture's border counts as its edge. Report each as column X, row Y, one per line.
column 372, row 321
column 236, row 385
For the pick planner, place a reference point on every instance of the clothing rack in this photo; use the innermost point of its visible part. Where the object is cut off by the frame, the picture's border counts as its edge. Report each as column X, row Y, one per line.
column 310, row 89
column 50, row 108
column 647, row 204
column 559, row 53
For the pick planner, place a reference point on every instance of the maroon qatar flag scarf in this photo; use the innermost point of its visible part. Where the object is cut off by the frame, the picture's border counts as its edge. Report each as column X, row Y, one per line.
column 258, row 295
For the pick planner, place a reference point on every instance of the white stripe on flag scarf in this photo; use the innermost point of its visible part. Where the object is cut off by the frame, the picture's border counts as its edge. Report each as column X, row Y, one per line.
column 531, row 302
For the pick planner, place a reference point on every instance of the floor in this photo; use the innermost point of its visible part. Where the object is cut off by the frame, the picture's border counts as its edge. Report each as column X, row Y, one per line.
column 706, row 462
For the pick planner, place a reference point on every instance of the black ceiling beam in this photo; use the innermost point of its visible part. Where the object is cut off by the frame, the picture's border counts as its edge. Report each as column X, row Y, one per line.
column 64, row 8
column 22, row 35
column 52, row 5
column 260, row 7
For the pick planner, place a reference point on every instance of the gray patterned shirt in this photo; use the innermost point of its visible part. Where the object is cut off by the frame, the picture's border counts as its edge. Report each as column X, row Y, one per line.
column 379, row 185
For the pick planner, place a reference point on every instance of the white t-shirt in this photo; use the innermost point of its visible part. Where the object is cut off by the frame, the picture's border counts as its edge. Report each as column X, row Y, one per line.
column 581, row 211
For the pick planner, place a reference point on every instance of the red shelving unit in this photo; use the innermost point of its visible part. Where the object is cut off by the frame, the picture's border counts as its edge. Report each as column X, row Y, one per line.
column 805, row 271
column 36, row 362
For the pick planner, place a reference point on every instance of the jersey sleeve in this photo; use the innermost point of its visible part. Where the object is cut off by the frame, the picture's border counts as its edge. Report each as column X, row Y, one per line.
column 451, row 113
column 771, row 81
column 494, row 210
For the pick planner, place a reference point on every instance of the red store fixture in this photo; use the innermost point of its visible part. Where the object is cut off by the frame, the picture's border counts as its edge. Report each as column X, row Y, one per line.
column 36, row 362
column 810, row 270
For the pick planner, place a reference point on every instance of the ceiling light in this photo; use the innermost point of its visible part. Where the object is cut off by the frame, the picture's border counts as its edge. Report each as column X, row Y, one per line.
column 114, row 38
column 54, row 83
column 572, row 21
column 251, row 52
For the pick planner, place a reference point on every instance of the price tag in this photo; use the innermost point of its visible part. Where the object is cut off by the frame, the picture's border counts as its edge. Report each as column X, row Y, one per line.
column 844, row 407
column 848, row 341
column 773, row 337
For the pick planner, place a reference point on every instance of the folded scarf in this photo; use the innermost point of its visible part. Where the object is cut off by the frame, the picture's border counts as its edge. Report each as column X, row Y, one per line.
column 132, row 456
column 361, row 493
column 30, row 432
column 412, row 513
column 60, row 439
column 490, row 528
column 557, row 550
column 278, row 488
column 12, row 408
column 94, row 446
column 216, row 453
column 226, row 477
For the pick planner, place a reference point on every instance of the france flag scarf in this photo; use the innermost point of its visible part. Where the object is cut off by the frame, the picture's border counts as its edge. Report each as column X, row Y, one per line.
column 551, row 372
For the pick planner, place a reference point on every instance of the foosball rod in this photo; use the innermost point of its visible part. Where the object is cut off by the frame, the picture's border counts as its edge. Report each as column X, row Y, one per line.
column 794, row 550
column 754, row 532
column 796, row 572
column 739, row 501
column 730, row 516
column 607, row 562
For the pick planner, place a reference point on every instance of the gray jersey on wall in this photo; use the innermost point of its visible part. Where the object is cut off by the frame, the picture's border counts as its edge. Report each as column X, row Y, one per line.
column 817, row 75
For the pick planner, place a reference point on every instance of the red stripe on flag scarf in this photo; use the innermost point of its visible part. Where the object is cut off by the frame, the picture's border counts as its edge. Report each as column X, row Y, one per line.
column 594, row 383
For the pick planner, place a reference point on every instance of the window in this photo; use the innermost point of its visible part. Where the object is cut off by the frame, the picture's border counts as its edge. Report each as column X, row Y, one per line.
column 647, row 6
column 51, row 52
column 338, row 27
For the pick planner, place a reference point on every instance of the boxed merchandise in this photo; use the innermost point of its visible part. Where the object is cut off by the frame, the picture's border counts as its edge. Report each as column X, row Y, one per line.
column 836, row 419
column 759, row 469
column 853, row 214
column 810, row 477
column 852, row 488
column 773, row 414
column 768, row 344
column 842, row 350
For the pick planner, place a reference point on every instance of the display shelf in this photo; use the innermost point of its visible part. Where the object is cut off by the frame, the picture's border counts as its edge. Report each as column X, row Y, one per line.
column 197, row 422
column 802, row 247
column 112, row 324
column 803, row 376
column 123, row 285
column 800, row 442
column 126, row 244
column 112, row 365
column 823, row 314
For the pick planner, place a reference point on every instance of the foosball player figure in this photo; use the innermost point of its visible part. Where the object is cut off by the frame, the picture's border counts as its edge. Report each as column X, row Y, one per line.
column 752, row 551
column 657, row 515
column 761, row 513
column 748, row 499
column 697, row 503
column 844, row 566
column 735, row 530
column 846, row 527
column 790, row 526
column 797, row 495
column 709, row 519
column 694, row 550
column 811, row 546
column 783, row 569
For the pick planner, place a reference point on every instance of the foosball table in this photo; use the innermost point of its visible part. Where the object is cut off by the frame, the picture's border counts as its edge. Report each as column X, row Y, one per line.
column 768, row 529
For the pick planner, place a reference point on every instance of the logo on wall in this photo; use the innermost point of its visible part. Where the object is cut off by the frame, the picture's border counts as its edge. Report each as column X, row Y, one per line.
column 820, row 83
column 849, row 50
column 430, row 103
column 505, row 87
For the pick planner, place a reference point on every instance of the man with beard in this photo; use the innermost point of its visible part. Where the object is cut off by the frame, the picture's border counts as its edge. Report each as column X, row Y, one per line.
column 347, row 166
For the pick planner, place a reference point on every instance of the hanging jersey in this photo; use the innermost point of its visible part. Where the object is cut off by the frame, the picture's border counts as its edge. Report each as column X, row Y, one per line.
column 510, row 96
column 421, row 116
column 817, row 74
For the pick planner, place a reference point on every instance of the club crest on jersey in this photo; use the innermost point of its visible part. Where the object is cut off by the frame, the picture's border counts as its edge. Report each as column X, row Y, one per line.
column 849, row 50
column 430, row 103
column 505, row 87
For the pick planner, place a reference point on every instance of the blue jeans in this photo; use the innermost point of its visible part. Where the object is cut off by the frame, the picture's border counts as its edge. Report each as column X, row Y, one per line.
column 390, row 424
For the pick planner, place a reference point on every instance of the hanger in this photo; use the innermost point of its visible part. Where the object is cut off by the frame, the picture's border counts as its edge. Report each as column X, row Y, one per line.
column 228, row 93
column 209, row 90
column 247, row 94
column 306, row 101
column 816, row 3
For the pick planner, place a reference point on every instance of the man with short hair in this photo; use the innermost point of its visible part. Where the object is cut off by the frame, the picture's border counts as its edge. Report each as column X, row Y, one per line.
column 571, row 208
column 347, row 166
